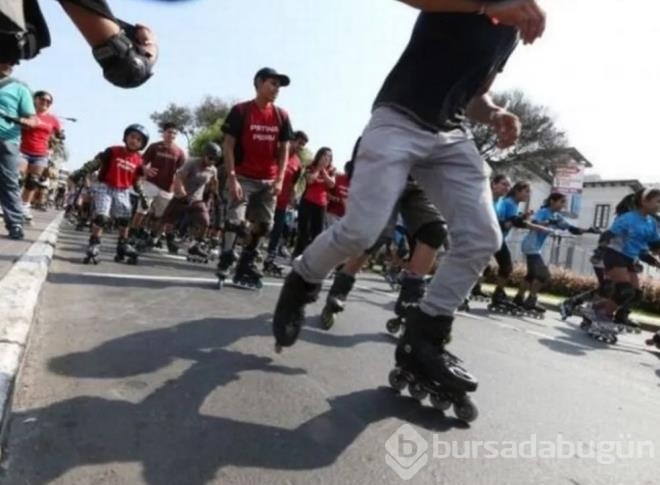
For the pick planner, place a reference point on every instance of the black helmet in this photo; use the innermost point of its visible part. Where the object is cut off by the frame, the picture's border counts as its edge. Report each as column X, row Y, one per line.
column 212, row 150
column 137, row 128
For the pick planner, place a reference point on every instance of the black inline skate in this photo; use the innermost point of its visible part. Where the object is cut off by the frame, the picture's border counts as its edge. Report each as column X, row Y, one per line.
column 428, row 369
column 501, row 304
column 247, row 275
column 599, row 326
column 289, row 314
column 126, row 252
column 529, row 307
column 93, row 250
column 411, row 292
column 465, row 306
column 172, row 246
column 197, row 253
column 336, row 300
column 655, row 340
column 271, row 268
column 624, row 323
column 477, row 294
column 225, row 262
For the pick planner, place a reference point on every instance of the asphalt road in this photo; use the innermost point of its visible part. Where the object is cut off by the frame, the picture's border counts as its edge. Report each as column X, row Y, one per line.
column 150, row 375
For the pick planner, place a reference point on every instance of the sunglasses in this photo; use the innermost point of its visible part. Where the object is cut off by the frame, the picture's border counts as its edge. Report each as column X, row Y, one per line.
column 46, row 100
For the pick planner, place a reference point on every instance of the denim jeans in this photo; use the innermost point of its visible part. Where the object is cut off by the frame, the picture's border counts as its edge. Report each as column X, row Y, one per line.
column 10, row 190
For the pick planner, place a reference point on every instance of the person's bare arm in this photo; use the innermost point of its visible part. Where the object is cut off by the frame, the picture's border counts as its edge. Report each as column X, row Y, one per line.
column 505, row 124
column 95, row 28
column 525, row 15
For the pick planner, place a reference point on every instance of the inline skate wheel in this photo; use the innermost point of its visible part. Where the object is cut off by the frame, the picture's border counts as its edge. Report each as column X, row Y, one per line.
column 86, row 260
column 397, row 380
column 278, row 348
column 327, row 318
column 465, row 410
column 118, row 259
column 393, row 326
column 417, row 391
column 95, row 261
column 440, row 403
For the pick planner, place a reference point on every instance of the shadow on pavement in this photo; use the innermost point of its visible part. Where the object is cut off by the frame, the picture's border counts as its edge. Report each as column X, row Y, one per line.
column 166, row 434
column 577, row 342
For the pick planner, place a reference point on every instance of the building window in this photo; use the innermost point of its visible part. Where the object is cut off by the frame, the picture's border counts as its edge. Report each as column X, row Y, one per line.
column 602, row 216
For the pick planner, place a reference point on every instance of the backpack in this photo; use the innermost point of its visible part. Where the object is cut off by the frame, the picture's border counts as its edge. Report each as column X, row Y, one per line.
column 242, row 108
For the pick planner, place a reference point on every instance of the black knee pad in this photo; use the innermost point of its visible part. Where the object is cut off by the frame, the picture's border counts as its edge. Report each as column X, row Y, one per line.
column 239, row 228
column 123, row 222
column 32, row 181
column 101, row 221
column 433, row 234
column 607, row 289
column 624, row 293
column 261, row 228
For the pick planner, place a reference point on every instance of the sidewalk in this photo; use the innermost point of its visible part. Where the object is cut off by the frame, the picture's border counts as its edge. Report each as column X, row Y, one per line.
column 11, row 251
column 23, row 269
column 649, row 323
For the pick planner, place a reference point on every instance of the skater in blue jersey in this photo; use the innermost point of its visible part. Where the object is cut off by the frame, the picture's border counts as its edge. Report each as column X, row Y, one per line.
column 550, row 218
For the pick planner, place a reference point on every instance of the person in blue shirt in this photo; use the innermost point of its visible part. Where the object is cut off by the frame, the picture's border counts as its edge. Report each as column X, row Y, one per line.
column 500, row 185
column 509, row 216
column 550, row 218
column 16, row 110
column 631, row 238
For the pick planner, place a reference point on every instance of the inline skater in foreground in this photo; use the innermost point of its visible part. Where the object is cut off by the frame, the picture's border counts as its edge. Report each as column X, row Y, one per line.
column 444, row 74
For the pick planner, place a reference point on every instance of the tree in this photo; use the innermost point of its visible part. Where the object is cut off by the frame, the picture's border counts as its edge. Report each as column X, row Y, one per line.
column 194, row 122
column 182, row 116
column 540, row 147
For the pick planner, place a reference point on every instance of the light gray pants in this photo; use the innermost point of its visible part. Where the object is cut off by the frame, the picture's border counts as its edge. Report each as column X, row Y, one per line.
column 451, row 171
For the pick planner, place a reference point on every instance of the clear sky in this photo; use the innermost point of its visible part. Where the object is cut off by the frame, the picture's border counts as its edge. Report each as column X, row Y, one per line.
column 596, row 68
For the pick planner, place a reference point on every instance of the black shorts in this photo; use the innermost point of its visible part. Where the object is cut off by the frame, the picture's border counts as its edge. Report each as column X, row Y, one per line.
column 536, row 269
column 614, row 259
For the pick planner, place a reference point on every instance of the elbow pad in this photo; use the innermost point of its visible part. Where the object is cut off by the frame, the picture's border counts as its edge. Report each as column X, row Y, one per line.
column 648, row 259
column 605, row 238
column 576, row 231
column 654, row 246
column 124, row 64
column 519, row 222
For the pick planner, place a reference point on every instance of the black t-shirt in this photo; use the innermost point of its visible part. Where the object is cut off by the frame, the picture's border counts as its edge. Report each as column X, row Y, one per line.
column 450, row 59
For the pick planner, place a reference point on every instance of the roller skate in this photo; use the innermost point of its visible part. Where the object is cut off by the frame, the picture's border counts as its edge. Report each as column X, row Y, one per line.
column 624, row 323
column 140, row 240
column 426, row 368
column 599, row 326
column 271, row 268
column 172, row 246
column 566, row 308
column 92, row 255
column 465, row 306
column 214, row 250
column 477, row 294
column 499, row 303
column 247, row 275
column 197, row 254
column 126, row 252
column 289, row 314
column 655, row 340
column 336, row 300
column 529, row 307
column 412, row 290
column 226, row 261
column 392, row 277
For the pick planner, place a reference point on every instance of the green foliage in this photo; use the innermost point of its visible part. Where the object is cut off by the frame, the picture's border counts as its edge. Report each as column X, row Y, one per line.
column 211, row 133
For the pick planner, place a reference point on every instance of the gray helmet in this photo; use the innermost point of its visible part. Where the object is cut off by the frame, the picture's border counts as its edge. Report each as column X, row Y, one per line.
column 212, row 150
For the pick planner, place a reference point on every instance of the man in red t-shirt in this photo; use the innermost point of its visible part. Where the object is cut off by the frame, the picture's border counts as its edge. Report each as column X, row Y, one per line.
column 256, row 149
column 119, row 169
column 164, row 158
column 285, row 199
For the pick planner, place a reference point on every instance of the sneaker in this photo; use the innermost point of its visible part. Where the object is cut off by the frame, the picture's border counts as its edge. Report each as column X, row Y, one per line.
column 27, row 212
column 16, row 233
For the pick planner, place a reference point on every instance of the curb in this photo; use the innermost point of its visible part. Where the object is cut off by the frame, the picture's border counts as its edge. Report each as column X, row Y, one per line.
column 20, row 289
